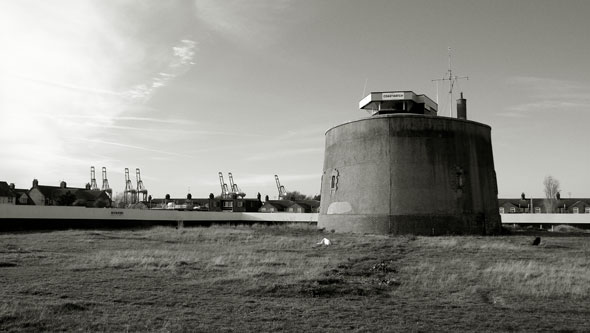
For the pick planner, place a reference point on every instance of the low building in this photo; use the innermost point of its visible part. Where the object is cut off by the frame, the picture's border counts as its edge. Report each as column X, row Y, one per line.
column 8, row 195
column 274, row 206
column 207, row 204
column 524, row 205
column 44, row 195
column 288, row 206
column 310, row 206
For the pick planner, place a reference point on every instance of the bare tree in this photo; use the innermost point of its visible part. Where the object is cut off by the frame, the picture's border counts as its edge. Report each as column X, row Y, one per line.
column 551, row 188
column 296, row 195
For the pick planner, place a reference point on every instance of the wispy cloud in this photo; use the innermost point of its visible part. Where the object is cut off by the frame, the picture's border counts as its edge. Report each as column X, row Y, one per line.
column 283, row 153
column 128, row 146
column 541, row 94
column 252, row 24
column 104, row 119
column 183, row 56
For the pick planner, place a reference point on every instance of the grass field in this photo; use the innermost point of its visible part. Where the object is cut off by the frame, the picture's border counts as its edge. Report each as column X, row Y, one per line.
column 277, row 278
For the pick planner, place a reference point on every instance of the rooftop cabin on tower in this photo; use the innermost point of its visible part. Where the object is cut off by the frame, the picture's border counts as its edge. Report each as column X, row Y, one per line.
column 389, row 102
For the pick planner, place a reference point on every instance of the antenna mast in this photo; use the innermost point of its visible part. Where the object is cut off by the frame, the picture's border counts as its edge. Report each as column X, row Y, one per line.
column 452, row 80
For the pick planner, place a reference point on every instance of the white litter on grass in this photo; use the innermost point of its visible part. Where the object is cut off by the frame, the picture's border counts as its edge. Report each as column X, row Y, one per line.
column 325, row 241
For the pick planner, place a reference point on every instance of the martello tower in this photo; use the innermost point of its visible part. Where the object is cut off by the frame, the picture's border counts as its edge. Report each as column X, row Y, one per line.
column 405, row 170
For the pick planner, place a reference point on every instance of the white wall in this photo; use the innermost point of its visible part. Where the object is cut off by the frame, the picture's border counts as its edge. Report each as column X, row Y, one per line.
column 82, row 213
column 546, row 218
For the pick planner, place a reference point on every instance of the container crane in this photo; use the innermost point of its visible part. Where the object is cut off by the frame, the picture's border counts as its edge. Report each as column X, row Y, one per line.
column 281, row 188
column 105, row 183
column 93, row 185
column 129, row 190
column 234, row 187
column 140, row 188
column 224, row 190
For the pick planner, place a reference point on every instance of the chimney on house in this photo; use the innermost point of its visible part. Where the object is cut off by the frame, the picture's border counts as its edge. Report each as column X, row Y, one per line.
column 35, row 183
column 63, row 184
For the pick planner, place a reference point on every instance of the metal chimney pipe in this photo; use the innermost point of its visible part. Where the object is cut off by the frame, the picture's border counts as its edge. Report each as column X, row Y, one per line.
column 462, row 108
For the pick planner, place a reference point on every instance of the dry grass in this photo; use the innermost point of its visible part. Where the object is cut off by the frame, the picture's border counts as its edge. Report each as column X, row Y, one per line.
column 563, row 228
column 273, row 278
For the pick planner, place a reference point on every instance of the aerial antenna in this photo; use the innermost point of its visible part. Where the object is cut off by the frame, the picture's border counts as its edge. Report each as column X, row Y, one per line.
column 453, row 79
column 365, row 87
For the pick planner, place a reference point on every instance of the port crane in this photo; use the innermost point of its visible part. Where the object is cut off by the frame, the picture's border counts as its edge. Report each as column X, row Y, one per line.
column 234, row 187
column 140, row 188
column 281, row 188
column 93, row 185
column 105, row 183
column 224, row 190
column 130, row 194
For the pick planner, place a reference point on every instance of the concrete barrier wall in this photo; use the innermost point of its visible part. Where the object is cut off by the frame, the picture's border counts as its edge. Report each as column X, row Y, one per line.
column 545, row 218
column 81, row 213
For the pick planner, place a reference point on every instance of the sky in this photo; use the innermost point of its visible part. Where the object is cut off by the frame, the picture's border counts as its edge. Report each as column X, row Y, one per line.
column 186, row 89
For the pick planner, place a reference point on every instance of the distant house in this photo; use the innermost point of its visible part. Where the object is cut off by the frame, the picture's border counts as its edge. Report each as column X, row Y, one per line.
column 208, row 204
column 543, row 206
column 43, row 195
column 273, row 206
column 298, row 206
column 22, row 196
column 8, row 196
column 310, row 206
column 581, row 206
column 92, row 198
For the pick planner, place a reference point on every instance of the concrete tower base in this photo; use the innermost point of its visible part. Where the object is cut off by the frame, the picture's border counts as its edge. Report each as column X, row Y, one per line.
column 409, row 174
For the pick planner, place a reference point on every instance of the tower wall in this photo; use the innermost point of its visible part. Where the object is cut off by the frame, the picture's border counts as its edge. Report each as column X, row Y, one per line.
column 404, row 173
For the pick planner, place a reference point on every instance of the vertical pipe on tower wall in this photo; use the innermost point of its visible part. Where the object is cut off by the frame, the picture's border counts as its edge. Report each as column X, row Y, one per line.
column 462, row 108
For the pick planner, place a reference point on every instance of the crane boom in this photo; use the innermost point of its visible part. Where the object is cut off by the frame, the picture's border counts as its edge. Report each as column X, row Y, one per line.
column 129, row 190
column 140, row 187
column 235, row 189
column 280, row 188
column 224, row 190
column 105, row 183
column 93, row 185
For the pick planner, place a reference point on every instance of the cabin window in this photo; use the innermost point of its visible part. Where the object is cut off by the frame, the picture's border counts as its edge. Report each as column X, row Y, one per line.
column 501, row 210
column 263, row 209
column 537, row 210
column 576, row 210
column 587, row 210
column 240, row 204
column 300, row 210
column 333, row 182
column 290, row 209
column 228, row 204
column 513, row 209
column 271, row 210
